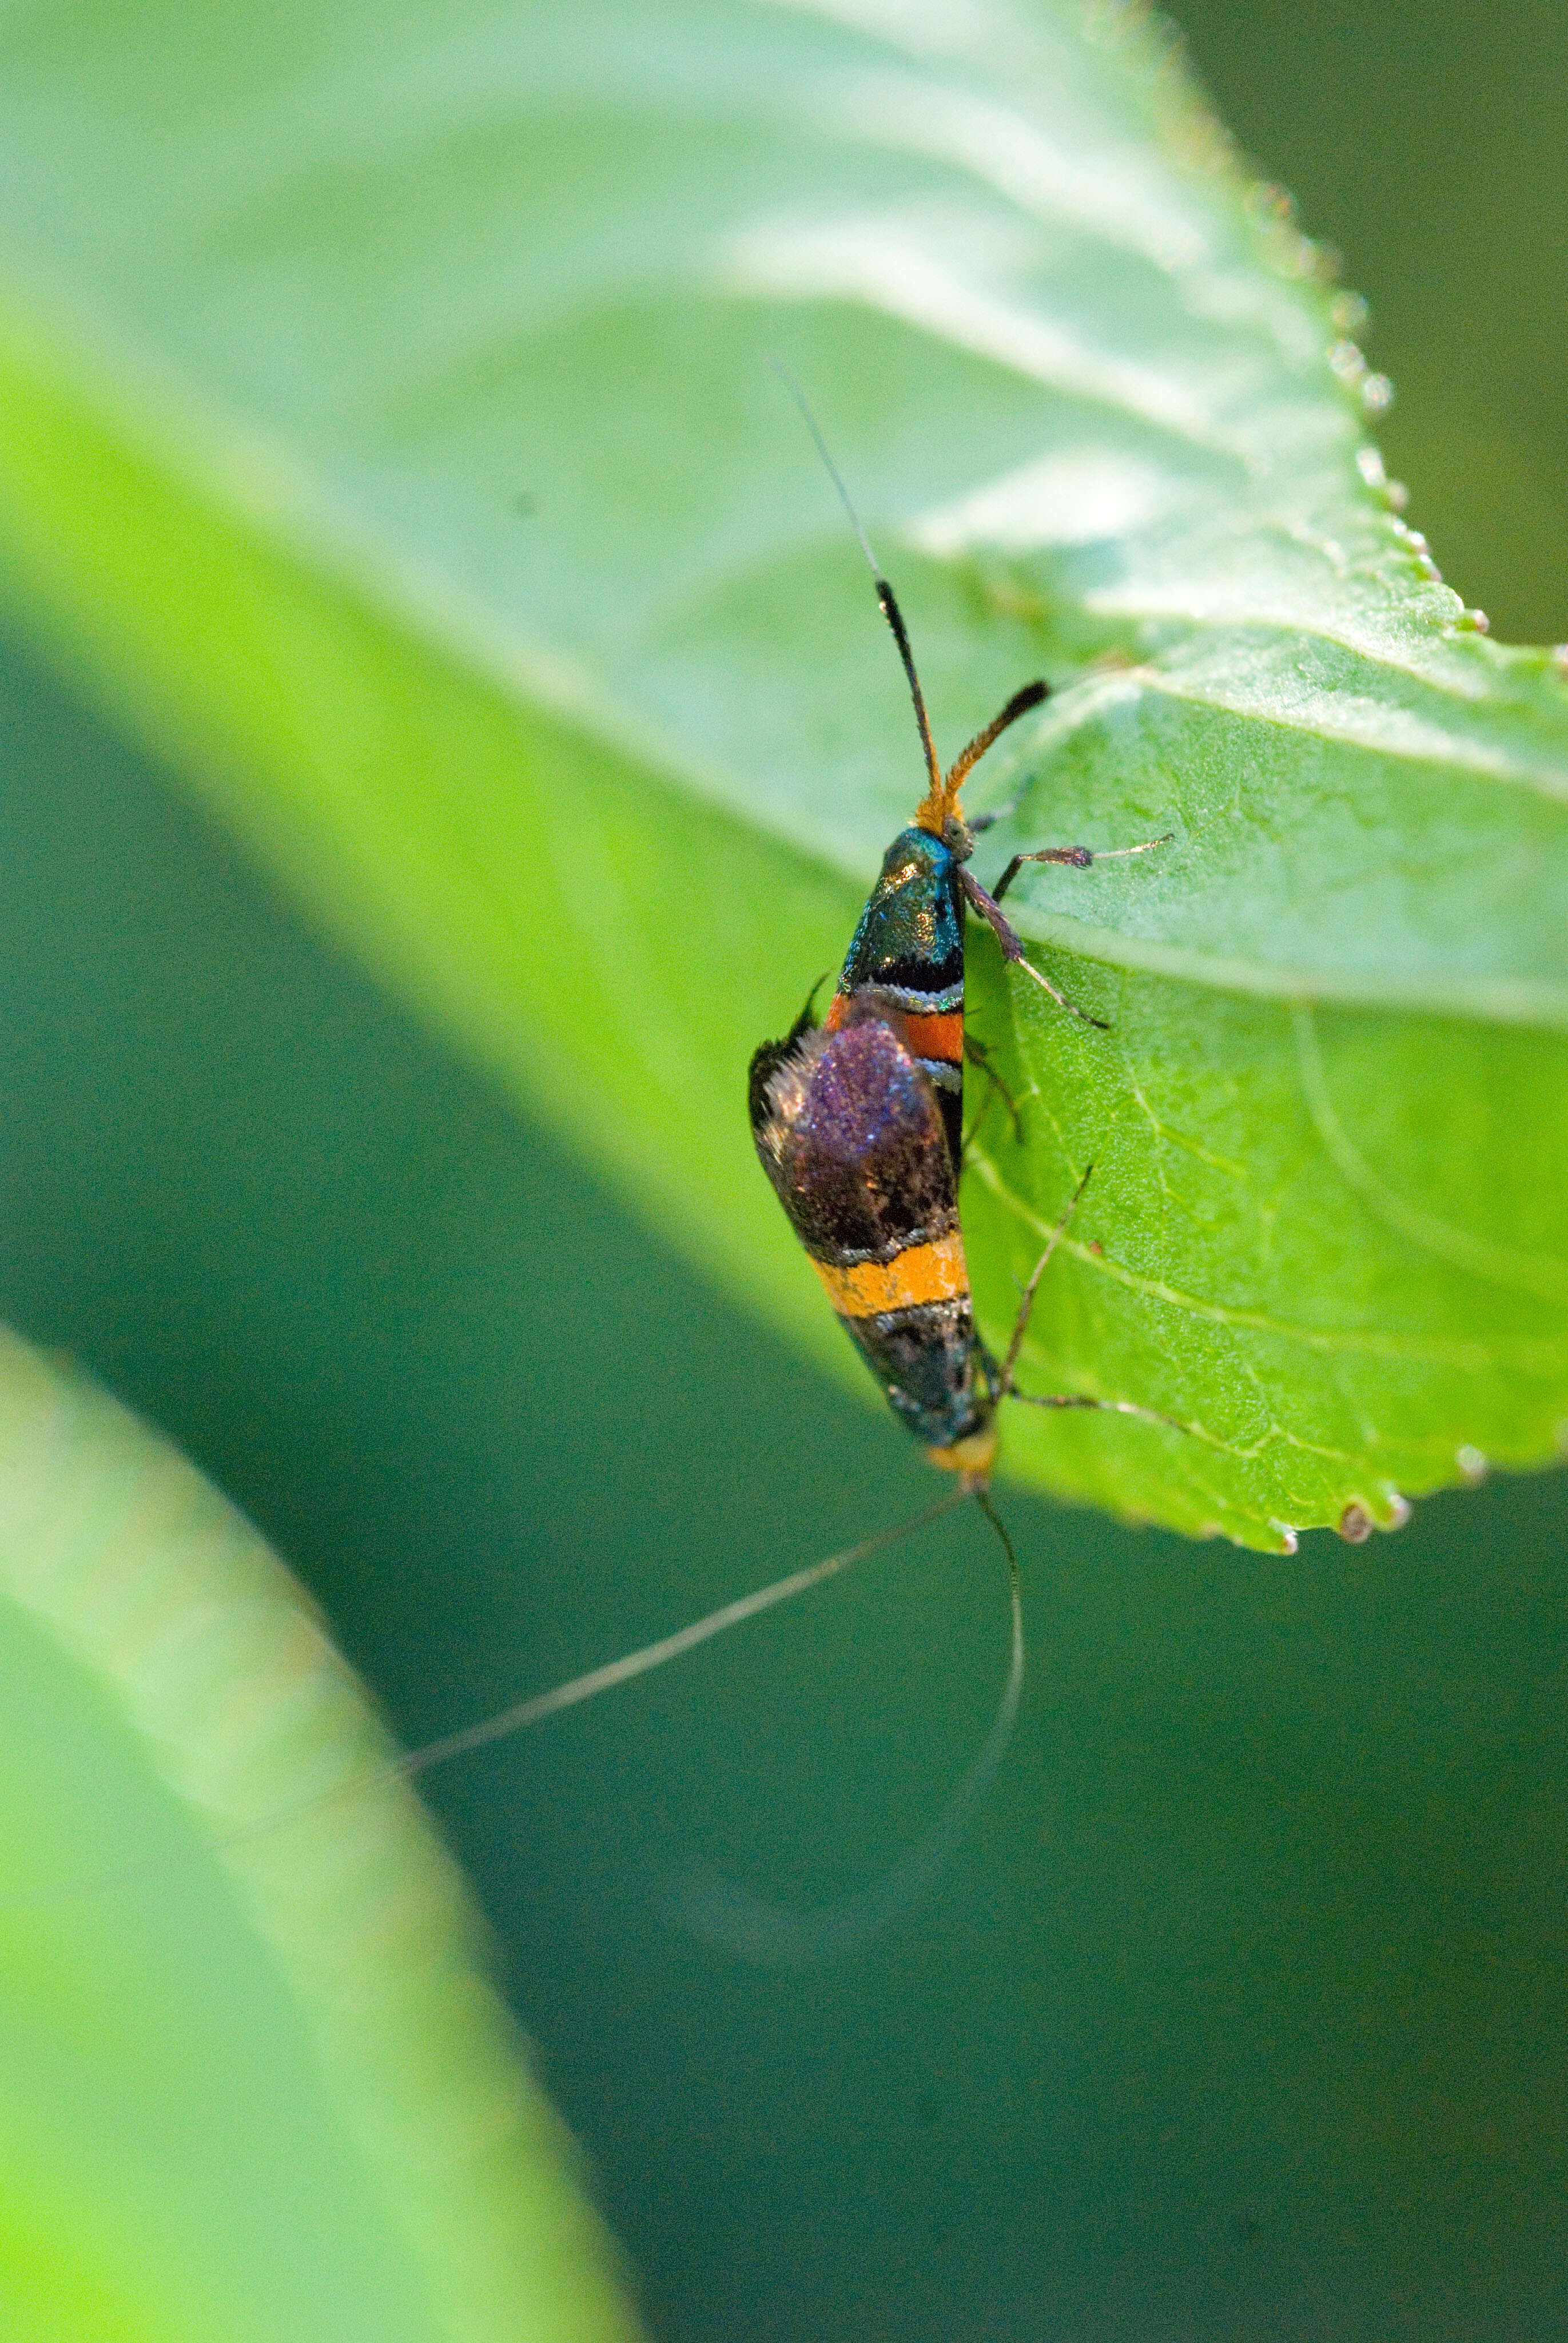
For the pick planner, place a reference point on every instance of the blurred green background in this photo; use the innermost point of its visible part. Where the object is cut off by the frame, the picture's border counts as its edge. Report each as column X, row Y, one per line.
column 1240, row 2011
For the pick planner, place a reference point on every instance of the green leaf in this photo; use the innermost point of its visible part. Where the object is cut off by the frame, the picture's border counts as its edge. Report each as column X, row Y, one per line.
column 386, row 426
column 251, row 2083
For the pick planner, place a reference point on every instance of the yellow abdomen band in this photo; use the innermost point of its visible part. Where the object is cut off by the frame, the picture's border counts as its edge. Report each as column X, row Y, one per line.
column 927, row 1273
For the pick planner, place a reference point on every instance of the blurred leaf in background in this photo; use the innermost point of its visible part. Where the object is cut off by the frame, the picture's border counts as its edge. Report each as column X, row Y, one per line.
column 482, row 579
column 258, row 2092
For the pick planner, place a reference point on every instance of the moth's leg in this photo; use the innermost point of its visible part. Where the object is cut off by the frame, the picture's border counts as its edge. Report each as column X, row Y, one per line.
column 978, row 1055
column 996, row 918
column 1025, row 1301
column 1009, row 1389
column 981, row 822
column 990, row 1368
column 1101, row 1406
column 1078, row 858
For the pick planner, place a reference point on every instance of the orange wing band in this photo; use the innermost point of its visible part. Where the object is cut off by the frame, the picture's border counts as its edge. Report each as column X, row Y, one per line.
column 941, row 1037
column 927, row 1273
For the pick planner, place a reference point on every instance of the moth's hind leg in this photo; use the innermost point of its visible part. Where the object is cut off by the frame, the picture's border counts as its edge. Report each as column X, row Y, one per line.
column 979, row 1056
column 1008, row 1383
column 1008, row 1388
column 991, row 1370
column 1101, row 1406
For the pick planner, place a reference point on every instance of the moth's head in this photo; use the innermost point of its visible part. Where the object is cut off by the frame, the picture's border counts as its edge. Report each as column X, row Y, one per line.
column 958, row 837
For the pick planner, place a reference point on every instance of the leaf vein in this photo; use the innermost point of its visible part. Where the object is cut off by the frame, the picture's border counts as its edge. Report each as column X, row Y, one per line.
column 1546, row 1278
column 1467, row 1357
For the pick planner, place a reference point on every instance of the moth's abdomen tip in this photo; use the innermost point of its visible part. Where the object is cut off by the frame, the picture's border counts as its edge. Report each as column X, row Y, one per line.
column 974, row 1455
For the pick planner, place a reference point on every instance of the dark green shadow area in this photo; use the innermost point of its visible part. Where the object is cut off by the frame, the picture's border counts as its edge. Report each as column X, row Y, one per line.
column 1429, row 148
column 1239, row 2010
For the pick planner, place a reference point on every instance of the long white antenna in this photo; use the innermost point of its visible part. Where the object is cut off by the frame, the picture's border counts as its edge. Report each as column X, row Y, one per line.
column 781, row 1935
column 885, row 597
column 521, row 1714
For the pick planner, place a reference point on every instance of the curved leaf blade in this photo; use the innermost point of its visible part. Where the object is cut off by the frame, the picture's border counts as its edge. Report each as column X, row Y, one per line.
column 388, row 417
column 241, row 2004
